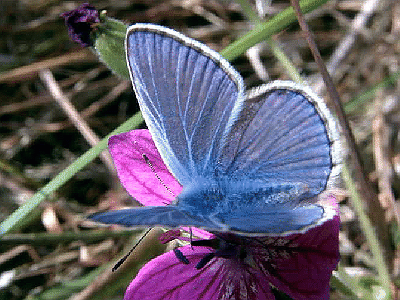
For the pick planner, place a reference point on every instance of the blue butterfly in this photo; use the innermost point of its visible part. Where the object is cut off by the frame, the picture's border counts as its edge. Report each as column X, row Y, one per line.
column 249, row 162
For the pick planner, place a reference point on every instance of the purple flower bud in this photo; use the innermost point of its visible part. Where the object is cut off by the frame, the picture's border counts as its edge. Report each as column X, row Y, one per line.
column 80, row 23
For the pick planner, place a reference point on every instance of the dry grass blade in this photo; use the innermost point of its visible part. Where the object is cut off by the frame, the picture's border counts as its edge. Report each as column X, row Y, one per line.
column 381, row 143
column 32, row 70
column 48, row 78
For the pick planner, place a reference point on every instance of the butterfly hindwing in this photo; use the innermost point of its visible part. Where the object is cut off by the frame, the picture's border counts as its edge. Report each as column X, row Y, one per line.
column 285, row 134
column 169, row 216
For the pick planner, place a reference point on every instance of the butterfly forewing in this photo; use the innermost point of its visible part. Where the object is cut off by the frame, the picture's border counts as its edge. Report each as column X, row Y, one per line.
column 188, row 95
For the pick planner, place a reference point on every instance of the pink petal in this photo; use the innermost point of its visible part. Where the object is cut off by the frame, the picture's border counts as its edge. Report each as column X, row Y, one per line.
column 167, row 278
column 141, row 180
column 301, row 265
column 169, row 236
column 148, row 181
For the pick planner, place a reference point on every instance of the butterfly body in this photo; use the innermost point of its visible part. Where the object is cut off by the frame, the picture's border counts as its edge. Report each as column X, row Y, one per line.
column 209, row 197
column 250, row 163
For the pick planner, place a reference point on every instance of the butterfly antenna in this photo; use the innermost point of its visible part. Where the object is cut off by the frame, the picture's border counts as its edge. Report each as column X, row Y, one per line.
column 191, row 237
column 148, row 162
column 122, row 260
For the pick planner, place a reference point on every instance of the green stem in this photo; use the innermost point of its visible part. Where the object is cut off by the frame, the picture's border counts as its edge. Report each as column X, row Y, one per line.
column 276, row 50
column 267, row 29
column 356, row 103
column 16, row 173
column 248, row 11
column 285, row 61
column 346, row 284
column 12, row 222
column 368, row 230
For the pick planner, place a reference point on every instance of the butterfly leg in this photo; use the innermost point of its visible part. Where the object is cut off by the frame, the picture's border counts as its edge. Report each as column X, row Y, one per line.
column 179, row 255
column 223, row 249
column 205, row 260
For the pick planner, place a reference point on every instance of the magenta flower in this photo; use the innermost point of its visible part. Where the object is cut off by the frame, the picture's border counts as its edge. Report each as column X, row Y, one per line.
column 227, row 266
column 80, row 23
column 142, row 171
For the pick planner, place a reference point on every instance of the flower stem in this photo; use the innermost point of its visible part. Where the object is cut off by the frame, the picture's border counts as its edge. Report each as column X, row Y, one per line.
column 368, row 230
column 18, row 216
column 267, row 29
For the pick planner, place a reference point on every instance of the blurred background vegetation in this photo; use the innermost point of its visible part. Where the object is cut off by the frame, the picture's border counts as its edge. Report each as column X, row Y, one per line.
column 55, row 254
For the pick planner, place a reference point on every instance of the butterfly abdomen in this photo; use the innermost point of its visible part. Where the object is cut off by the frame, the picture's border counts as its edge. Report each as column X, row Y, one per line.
column 208, row 197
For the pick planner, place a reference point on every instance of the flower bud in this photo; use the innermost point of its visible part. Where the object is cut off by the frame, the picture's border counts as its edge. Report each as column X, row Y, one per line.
column 88, row 27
